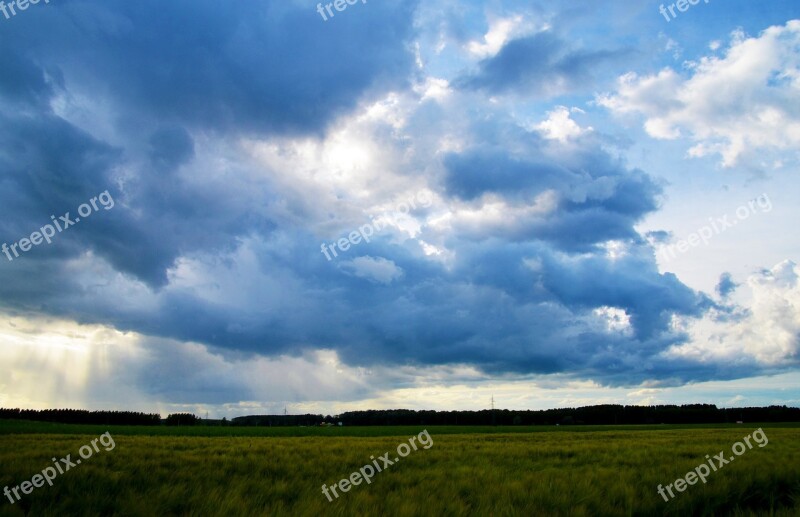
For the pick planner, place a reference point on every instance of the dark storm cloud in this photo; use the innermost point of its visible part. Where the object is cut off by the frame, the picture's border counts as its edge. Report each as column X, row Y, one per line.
column 539, row 64
column 22, row 82
column 48, row 167
column 648, row 297
column 599, row 199
column 170, row 147
column 473, row 174
column 260, row 66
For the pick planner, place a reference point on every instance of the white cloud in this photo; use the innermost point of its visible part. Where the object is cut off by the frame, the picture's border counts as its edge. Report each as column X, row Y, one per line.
column 378, row 270
column 359, row 167
column 559, row 126
column 741, row 103
column 433, row 88
column 768, row 333
column 614, row 319
column 493, row 216
column 499, row 33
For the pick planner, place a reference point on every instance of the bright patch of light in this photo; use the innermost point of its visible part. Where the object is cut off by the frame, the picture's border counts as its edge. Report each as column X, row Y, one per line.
column 615, row 319
column 615, row 249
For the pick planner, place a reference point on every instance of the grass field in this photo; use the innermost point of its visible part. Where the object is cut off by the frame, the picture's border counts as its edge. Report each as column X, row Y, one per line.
column 467, row 471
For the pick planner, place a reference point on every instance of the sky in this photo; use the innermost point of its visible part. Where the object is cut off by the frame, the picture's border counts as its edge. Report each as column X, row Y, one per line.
column 278, row 205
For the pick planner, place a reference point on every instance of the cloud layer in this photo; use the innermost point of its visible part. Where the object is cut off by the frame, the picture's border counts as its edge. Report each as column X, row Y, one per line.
column 236, row 140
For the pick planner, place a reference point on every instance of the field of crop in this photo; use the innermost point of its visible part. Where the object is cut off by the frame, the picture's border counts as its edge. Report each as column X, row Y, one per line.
column 467, row 471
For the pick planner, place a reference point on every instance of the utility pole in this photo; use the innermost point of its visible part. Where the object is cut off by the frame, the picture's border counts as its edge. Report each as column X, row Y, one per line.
column 494, row 422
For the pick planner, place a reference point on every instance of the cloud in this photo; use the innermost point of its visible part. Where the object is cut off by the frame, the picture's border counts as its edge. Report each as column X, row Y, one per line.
column 559, row 126
column 500, row 31
column 237, row 144
column 739, row 104
column 767, row 333
column 170, row 147
column 196, row 254
column 73, row 126
column 254, row 67
column 538, row 65
column 572, row 194
column 57, row 362
column 374, row 269
column 726, row 285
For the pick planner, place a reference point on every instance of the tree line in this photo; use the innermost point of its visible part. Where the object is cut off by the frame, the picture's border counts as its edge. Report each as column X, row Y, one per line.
column 589, row 415
column 81, row 416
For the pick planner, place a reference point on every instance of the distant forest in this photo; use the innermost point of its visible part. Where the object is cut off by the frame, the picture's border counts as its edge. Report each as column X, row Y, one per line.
column 80, row 416
column 589, row 415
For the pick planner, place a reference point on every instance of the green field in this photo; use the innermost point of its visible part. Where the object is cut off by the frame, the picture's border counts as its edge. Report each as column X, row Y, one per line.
column 467, row 471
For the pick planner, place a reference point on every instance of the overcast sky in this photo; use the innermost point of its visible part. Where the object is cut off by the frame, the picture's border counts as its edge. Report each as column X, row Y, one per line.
column 398, row 204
